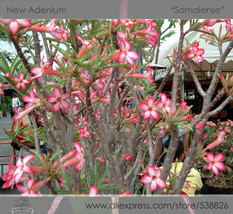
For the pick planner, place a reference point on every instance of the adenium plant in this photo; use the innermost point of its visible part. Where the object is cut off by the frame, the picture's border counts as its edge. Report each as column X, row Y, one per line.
column 84, row 77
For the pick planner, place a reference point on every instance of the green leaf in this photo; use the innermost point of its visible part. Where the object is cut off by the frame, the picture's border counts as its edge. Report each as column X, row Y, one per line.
column 4, row 70
column 143, row 51
column 115, row 66
column 63, row 52
column 48, row 87
column 5, row 63
column 104, row 188
column 95, row 175
column 162, row 112
column 102, row 33
column 95, row 51
column 162, row 124
column 36, row 153
column 55, row 40
column 103, row 176
column 143, row 66
column 183, row 124
column 15, row 66
column 63, row 192
column 4, row 29
column 56, row 154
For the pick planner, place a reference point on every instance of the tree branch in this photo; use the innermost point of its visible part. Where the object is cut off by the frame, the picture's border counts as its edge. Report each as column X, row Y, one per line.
column 196, row 81
column 220, row 107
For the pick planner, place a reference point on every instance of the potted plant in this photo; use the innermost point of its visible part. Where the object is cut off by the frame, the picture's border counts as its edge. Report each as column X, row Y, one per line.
column 222, row 183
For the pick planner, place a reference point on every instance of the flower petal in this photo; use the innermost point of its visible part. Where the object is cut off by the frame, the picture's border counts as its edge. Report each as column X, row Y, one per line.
column 56, row 107
column 161, row 183
column 143, row 106
column 13, row 26
column 153, row 186
column 151, row 171
column 219, row 157
column 210, row 157
column 150, row 101
column 57, row 91
column 146, row 179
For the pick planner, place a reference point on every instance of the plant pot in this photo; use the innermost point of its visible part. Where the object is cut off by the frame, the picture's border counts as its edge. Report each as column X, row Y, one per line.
column 206, row 174
column 22, row 210
column 219, row 189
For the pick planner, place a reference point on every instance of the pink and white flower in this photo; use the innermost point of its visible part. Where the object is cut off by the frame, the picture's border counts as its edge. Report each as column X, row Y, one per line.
column 153, row 178
column 196, row 53
column 22, row 167
column 21, row 82
column 149, row 109
column 59, row 99
column 79, row 156
column 126, row 54
column 93, row 191
column 43, row 69
column 13, row 24
column 214, row 163
column 83, row 132
column 31, row 100
column 31, row 188
column 164, row 103
column 127, row 157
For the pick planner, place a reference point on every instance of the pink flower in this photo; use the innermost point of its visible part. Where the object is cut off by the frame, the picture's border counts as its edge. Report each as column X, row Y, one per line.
column 79, row 156
column 93, row 191
column 115, row 22
column 85, row 46
column 153, row 178
column 163, row 129
column 122, row 35
column 206, row 34
column 125, row 194
column 214, row 163
column 59, row 99
column 127, row 157
column 126, row 54
column 199, row 126
column 43, row 69
column 101, row 159
column 1, row 89
column 82, row 120
column 29, row 190
column 231, row 148
column 51, row 28
column 13, row 24
column 149, row 109
column 195, row 53
column 205, row 137
column 21, row 82
column 219, row 140
column 127, row 22
column 65, row 33
column 22, row 113
column 83, row 132
column 8, row 74
column 22, row 167
column 211, row 124
column 164, row 103
column 31, row 100
column 8, row 177
column 147, row 76
column 151, row 35
column 211, row 22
